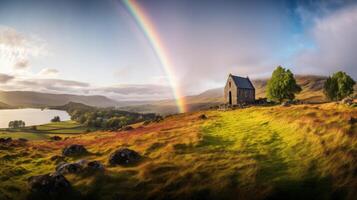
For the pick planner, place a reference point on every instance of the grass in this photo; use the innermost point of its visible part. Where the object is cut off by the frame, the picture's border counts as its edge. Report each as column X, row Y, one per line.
column 297, row 152
column 64, row 128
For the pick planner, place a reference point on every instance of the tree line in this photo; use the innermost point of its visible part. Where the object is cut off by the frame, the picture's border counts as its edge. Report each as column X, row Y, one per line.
column 282, row 86
column 104, row 118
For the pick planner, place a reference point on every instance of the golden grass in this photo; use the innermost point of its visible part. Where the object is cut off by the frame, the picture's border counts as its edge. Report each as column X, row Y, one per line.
column 305, row 151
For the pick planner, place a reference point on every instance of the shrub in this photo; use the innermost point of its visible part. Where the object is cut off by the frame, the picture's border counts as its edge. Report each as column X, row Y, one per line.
column 56, row 119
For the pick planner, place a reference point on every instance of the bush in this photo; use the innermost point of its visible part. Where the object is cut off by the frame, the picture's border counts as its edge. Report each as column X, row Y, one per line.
column 338, row 86
column 56, row 119
column 282, row 85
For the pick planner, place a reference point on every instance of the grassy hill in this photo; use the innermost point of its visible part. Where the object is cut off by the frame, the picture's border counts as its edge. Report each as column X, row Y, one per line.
column 5, row 106
column 312, row 92
column 45, row 131
column 312, row 87
column 297, row 152
column 37, row 99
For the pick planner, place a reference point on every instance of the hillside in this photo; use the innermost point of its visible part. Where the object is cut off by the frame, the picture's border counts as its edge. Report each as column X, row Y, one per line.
column 312, row 87
column 37, row 99
column 5, row 106
column 296, row 152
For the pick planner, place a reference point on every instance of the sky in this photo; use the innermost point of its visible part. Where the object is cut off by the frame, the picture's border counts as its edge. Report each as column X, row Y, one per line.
column 98, row 47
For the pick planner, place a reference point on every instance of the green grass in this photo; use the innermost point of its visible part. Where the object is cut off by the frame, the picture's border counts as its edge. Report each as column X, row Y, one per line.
column 64, row 128
column 297, row 152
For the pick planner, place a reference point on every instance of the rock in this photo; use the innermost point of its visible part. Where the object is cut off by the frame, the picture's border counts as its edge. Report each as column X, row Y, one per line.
column 55, row 138
column 95, row 166
column 79, row 167
column 127, row 128
column 203, row 116
column 348, row 101
column 158, row 118
column 50, row 186
column 74, row 150
column 147, row 122
column 57, row 158
column 6, row 140
column 285, row 104
column 22, row 140
column 69, row 168
column 124, row 156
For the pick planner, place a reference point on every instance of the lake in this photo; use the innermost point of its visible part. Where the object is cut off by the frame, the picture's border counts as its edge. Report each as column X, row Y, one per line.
column 31, row 116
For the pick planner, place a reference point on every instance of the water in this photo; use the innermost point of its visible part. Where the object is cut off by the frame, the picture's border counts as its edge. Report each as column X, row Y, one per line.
column 30, row 116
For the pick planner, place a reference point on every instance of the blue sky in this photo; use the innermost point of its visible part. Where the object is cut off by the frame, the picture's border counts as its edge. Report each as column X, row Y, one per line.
column 96, row 47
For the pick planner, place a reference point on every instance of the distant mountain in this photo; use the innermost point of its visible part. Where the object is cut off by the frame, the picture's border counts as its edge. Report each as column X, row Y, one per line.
column 5, row 106
column 312, row 91
column 37, row 99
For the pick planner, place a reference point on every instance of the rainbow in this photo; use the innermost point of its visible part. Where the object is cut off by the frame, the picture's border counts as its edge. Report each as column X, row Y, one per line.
column 152, row 35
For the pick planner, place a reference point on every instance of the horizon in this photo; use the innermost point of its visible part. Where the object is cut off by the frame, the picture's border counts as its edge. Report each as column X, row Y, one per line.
column 158, row 50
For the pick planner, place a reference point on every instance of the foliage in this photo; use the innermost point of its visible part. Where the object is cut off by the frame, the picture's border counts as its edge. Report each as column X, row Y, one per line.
column 56, row 119
column 16, row 124
column 103, row 118
column 338, row 86
column 282, row 85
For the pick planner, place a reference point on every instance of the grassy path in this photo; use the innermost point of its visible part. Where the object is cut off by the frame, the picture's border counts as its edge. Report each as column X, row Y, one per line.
column 285, row 155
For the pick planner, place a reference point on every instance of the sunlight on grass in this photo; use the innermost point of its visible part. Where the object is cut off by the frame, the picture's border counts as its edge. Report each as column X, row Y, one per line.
column 299, row 152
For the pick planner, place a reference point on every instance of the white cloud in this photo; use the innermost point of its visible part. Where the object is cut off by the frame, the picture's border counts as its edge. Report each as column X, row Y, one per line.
column 4, row 78
column 48, row 72
column 16, row 49
column 335, row 44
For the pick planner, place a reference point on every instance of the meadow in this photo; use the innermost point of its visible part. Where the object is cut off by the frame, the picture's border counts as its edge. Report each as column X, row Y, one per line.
column 63, row 129
column 295, row 152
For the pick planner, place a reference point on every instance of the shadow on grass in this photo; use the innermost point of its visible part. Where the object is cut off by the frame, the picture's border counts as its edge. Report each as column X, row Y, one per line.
column 214, row 141
column 309, row 188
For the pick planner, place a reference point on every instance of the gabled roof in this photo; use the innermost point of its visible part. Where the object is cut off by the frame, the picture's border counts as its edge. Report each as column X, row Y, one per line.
column 241, row 82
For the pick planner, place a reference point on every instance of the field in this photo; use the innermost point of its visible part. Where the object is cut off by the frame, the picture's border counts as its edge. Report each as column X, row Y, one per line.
column 296, row 152
column 65, row 129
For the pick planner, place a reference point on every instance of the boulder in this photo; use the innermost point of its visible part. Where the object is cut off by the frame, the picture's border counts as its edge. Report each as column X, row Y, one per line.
column 74, row 150
column 203, row 116
column 124, row 156
column 6, row 140
column 50, row 186
column 348, row 101
column 127, row 128
column 285, row 104
column 22, row 140
column 95, row 166
column 55, row 138
column 57, row 158
column 69, row 168
column 147, row 122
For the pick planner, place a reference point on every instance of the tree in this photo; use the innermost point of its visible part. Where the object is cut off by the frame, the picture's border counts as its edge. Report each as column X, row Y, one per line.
column 282, row 85
column 56, row 119
column 16, row 124
column 338, row 86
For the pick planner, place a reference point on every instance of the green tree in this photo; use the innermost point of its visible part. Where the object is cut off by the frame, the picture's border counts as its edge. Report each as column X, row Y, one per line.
column 338, row 86
column 282, row 85
column 56, row 119
column 16, row 124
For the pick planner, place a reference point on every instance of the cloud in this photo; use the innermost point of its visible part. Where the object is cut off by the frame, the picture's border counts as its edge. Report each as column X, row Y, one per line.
column 16, row 49
column 4, row 78
column 335, row 44
column 21, row 64
column 47, row 85
column 119, row 92
column 136, row 89
column 48, row 72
